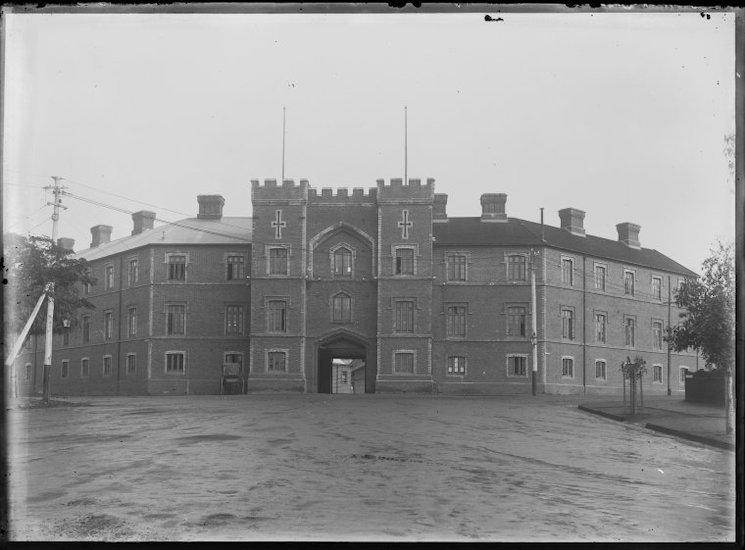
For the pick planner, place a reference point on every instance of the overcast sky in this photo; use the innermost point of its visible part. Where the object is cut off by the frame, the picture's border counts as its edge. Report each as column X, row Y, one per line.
column 624, row 116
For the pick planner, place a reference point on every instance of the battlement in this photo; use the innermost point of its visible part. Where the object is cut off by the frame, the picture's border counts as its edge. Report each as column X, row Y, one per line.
column 397, row 189
column 342, row 195
column 270, row 190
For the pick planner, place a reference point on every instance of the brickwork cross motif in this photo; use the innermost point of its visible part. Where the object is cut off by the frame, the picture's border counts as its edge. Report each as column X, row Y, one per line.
column 278, row 223
column 405, row 224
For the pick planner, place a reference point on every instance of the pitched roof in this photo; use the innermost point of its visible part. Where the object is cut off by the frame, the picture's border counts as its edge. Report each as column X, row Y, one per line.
column 227, row 230
column 517, row 232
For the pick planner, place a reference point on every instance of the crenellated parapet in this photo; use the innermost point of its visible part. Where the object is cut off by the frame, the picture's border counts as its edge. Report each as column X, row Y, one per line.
column 272, row 191
column 342, row 196
column 397, row 191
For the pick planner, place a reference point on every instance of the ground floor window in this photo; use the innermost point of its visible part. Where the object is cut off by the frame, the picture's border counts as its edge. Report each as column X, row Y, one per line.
column 276, row 361
column 567, row 367
column 517, row 365
column 84, row 368
column 600, row 370
column 175, row 361
column 456, row 365
column 403, row 362
column 65, row 369
column 107, row 365
column 683, row 373
column 232, row 364
column 131, row 363
column 656, row 373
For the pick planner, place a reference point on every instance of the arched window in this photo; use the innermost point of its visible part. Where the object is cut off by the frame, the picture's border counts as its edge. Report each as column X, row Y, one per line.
column 342, row 262
column 341, row 308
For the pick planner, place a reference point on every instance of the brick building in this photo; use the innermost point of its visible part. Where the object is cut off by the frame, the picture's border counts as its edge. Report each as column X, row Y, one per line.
column 425, row 302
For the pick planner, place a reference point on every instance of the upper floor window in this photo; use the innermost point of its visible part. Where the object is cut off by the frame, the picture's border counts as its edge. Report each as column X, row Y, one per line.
column 175, row 361
column 276, row 361
column 567, row 323
column 516, row 316
column 404, row 261
column 65, row 369
column 175, row 319
column 276, row 316
column 86, row 328
column 567, row 271
column 600, row 277
column 403, row 362
column 66, row 336
column 341, row 310
column 456, row 365
column 456, row 321
column 234, row 320
column 628, row 282
column 630, row 326
column 657, row 335
column 235, row 268
column 657, row 288
column 28, row 371
column 600, row 327
column 342, row 262
column 133, row 273
column 87, row 286
column 109, row 276
column 277, row 261
column 456, row 267
column 108, row 325
column 516, row 267
column 404, row 321
column 177, row 267
column 132, row 322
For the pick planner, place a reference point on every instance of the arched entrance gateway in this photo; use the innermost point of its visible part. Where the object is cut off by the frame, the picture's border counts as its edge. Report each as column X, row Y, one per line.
column 344, row 365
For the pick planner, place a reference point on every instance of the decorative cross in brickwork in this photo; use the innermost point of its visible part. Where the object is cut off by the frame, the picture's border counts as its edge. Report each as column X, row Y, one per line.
column 405, row 224
column 278, row 224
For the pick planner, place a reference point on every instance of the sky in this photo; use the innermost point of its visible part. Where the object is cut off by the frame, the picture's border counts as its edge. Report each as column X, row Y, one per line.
column 623, row 115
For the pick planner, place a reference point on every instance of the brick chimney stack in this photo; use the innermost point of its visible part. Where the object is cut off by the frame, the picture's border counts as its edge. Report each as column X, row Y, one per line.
column 142, row 221
column 439, row 208
column 66, row 243
column 100, row 234
column 492, row 207
column 628, row 234
column 210, row 207
column 573, row 219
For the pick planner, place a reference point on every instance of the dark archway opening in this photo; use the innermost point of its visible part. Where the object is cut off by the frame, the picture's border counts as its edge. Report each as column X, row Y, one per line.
column 342, row 367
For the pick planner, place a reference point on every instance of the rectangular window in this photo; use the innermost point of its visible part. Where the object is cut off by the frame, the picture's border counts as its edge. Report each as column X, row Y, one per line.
column 109, row 277
column 456, row 365
column 630, row 327
column 342, row 262
column 108, row 325
column 28, row 372
column 567, row 324
column 86, row 327
column 628, row 282
column 517, row 365
column 87, row 287
column 683, row 374
column 516, row 268
column 276, row 361
column 657, row 335
column 600, row 277
column 657, row 288
column 175, row 361
column 456, row 321
column 234, row 268
column 133, row 273
column 65, row 369
column 567, row 271
column 107, row 365
column 132, row 322
column 276, row 316
column 233, row 364
column 277, row 261
column 567, row 367
column 84, row 368
column 656, row 373
column 175, row 319
column 516, row 316
column 341, row 309
column 177, row 267
column 404, row 316
column 456, row 268
column 404, row 261
column 131, row 365
column 600, row 327
column 344, row 377
column 234, row 320
column 600, row 370
column 65, row 336
column 404, row 362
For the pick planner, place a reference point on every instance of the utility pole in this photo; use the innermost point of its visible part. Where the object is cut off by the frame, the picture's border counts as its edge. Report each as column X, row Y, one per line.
column 533, row 322
column 57, row 191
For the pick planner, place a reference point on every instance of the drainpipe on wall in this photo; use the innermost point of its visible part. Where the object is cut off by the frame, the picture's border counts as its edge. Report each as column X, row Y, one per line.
column 669, row 306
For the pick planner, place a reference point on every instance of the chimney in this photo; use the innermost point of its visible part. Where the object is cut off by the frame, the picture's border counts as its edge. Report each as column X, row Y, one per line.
column 628, row 234
column 439, row 208
column 66, row 243
column 492, row 207
column 573, row 219
column 210, row 207
column 143, row 220
column 100, row 234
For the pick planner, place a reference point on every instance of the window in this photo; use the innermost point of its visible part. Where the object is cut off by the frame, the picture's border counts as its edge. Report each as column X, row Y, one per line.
column 630, row 326
column 234, row 320
column 600, row 277
column 567, row 367
column 131, row 363
column 341, row 309
column 600, row 373
column 683, row 374
column 404, row 261
column 600, row 322
column 28, row 372
column 133, row 273
column 176, row 267
column 175, row 319
column 175, row 362
column 234, row 268
column 84, row 368
column 232, row 364
column 65, row 369
column 277, row 261
column 65, row 336
column 87, row 286
column 516, row 316
column 516, row 268
column 628, row 282
column 657, row 335
column 456, row 321
column 567, row 271
column 344, row 377
column 403, row 362
column 517, row 365
column 404, row 316
column 456, row 365
column 276, row 361
column 276, row 316
column 656, row 373
column 132, row 322
column 342, row 262
column 107, row 365
column 456, row 268
column 109, row 277
column 86, row 326
column 108, row 325
column 567, row 324
column 657, row 288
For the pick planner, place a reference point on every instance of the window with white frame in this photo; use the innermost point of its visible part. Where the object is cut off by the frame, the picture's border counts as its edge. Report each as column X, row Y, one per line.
column 85, row 369
column 456, row 365
column 175, row 362
column 276, row 315
column 131, row 363
column 567, row 323
column 233, row 320
column 276, row 361
column 175, row 319
column 601, row 322
column 657, row 288
column 403, row 362
column 657, row 373
column 600, row 271
column 404, row 261
column 132, row 322
column 65, row 370
column 629, row 280
column 109, row 277
column 567, row 271
column 630, row 329
column 234, row 270
column 657, row 335
column 516, row 320
column 108, row 325
column 176, row 267
column 456, row 267
column 567, row 367
column 600, row 371
column 133, row 272
column 278, row 260
column 517, row 365
column 341, row 308
column 106, row 368
column 455, row 315
column 516, row 270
